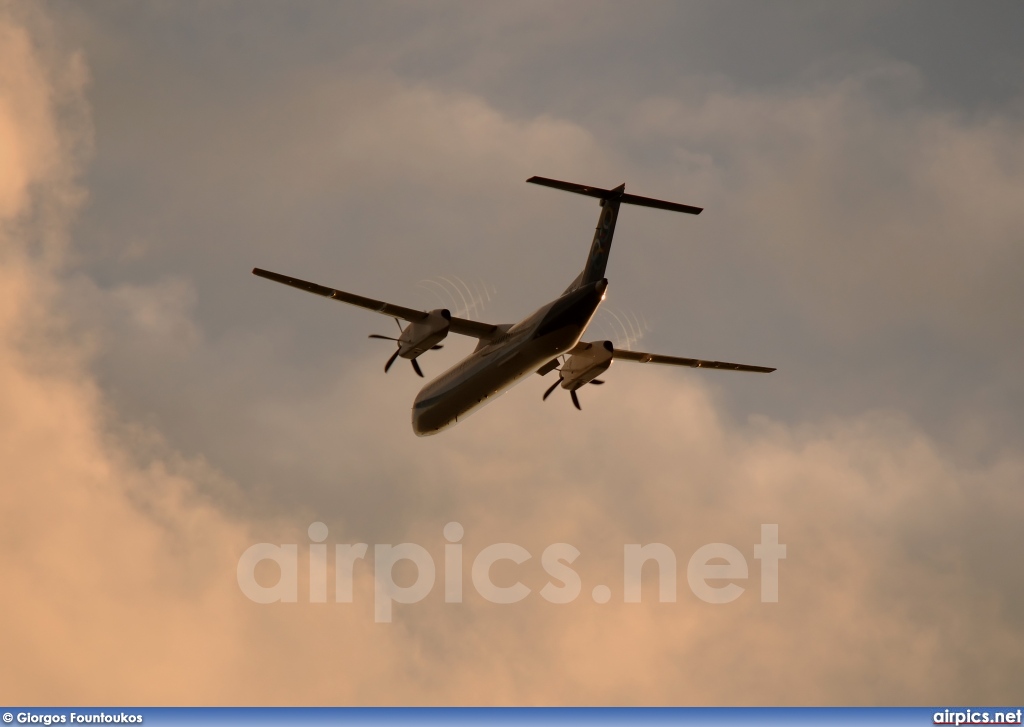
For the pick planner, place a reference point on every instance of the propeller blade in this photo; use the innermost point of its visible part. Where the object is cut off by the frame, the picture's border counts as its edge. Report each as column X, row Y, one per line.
column 436, row 348
column 399, row 324
column 575, row 399
column 550, row 389
column 391, row 360
column 416, row 367
column 386, row 338
column 597, row 381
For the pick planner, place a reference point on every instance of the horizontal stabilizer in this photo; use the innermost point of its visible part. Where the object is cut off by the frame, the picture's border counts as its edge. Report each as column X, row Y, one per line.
column 617, row 193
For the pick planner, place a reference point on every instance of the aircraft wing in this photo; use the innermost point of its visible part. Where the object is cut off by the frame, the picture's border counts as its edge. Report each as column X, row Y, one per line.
column 462, row 326
column 656, row 358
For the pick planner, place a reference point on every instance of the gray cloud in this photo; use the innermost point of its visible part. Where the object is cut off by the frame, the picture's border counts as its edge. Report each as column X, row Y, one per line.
column 861, row 233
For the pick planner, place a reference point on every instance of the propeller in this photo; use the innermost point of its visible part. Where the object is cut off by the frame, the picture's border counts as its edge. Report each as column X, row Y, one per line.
column 387, row 366
column 572, row 392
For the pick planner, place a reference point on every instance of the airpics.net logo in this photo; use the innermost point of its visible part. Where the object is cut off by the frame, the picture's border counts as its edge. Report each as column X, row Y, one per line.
column 712, row 571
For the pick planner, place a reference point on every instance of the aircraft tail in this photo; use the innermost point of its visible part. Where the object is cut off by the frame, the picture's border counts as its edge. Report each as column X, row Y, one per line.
column 597, row 261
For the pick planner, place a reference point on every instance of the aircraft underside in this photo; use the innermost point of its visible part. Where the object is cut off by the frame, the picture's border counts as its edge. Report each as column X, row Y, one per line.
column 491, row 371
column 437, row 412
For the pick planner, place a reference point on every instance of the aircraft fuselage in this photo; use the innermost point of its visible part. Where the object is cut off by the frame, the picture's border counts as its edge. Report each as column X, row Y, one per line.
column 503, row 361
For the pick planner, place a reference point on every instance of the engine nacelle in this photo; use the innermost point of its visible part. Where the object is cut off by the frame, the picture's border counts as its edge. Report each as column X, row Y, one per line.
column 423, row 335
column 586, row 365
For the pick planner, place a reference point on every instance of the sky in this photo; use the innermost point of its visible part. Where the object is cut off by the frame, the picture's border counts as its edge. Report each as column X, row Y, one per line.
column 861, row 166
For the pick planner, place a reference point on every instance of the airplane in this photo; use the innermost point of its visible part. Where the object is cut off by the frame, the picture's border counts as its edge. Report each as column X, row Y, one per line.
column 548, row 339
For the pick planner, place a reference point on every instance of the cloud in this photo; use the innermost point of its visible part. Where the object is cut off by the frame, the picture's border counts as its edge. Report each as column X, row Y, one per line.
column 119, row 552
column 887, row 594
column 27, row 138
column 883, row 211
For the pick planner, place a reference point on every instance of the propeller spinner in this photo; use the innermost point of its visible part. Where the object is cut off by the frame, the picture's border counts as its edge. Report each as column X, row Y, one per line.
column 399, row 342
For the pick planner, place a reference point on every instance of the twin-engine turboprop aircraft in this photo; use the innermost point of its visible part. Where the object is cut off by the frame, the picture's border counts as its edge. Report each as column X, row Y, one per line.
column 507, row 353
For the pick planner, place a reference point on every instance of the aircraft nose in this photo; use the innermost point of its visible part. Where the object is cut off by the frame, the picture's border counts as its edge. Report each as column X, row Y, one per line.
column 425, row 421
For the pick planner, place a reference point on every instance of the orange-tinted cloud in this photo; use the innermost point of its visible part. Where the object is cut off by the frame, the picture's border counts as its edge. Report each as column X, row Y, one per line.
column 119, row 556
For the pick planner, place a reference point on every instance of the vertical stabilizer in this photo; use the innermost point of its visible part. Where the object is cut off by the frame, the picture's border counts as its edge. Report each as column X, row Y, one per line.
column 611, row 199
column 597, row 261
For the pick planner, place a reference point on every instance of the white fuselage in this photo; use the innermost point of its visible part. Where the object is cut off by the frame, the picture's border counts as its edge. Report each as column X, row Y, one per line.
column 504, row 360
